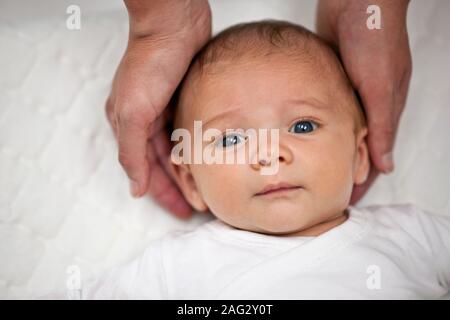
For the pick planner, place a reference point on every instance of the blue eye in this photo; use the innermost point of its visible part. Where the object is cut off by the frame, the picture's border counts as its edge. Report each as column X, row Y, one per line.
column 230, row 140
column 303, row 126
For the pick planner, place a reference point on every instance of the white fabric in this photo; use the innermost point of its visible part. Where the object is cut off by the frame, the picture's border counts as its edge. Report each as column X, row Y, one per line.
column 380, row 252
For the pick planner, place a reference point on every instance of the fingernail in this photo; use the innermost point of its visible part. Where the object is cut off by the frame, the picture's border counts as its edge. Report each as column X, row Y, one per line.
column 388, row 162
column 134, row 188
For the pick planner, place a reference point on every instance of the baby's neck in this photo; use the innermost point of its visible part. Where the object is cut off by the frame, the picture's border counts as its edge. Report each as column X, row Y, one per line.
column 318, row 229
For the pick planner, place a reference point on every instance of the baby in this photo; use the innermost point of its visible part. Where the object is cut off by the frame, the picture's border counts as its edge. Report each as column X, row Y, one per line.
column 290, row 234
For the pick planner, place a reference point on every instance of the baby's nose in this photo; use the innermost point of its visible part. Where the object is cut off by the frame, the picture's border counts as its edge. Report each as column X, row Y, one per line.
column 281, row 155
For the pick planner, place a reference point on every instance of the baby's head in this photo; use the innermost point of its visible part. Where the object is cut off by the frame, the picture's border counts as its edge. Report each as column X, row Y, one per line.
column 272, row 75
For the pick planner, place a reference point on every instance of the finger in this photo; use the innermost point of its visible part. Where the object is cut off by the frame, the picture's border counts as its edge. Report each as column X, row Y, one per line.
column 109, row 110
column 161, row 187
column 360, row 190
column 162, row 147
column 133, row 124
column 160, row 124
column 382, row 119
column 169, row 197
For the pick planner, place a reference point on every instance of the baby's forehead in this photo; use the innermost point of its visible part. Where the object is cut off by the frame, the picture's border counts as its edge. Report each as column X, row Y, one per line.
column 261, row 79
column 251, row 84
column 229, row 102
column 313, row 63
column 317, row 60
column 259, row 46
column 260, row 38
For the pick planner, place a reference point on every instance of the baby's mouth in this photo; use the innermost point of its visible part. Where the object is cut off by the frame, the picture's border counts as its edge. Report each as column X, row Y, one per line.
column 278, row 188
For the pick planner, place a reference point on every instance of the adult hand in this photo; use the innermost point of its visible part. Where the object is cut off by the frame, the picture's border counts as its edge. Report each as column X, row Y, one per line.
column 378, row 63
column 164, row 36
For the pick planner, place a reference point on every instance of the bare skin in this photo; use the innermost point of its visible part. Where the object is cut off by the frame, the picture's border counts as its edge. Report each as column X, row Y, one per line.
column 166, row 34
column 323, row 164
column 378, row 62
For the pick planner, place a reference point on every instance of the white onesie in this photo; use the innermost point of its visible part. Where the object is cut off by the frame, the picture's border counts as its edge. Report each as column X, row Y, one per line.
column 380, row 252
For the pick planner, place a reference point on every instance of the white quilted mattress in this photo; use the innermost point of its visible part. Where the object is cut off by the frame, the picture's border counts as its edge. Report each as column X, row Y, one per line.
column 63, row 196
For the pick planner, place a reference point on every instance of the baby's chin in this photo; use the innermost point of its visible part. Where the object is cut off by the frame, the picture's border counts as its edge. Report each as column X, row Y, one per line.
column 296, row 224
column 279, row 224
column 281, row 228
column 282, row 218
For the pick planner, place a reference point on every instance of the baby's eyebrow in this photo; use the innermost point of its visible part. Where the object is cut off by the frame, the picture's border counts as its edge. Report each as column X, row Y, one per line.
column 227, row 114
column 310, row 103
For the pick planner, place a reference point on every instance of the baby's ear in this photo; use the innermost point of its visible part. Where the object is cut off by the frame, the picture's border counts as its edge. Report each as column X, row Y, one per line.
column 362, row 162
column 183, row 177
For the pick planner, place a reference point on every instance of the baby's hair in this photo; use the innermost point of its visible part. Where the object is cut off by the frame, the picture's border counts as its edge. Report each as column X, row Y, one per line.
column 262, row 39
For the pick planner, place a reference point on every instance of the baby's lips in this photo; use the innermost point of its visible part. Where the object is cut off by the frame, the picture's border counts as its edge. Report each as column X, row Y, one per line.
column 270, row 188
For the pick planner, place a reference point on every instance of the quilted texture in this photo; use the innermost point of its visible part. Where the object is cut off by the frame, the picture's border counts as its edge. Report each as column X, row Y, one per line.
column 63, row 196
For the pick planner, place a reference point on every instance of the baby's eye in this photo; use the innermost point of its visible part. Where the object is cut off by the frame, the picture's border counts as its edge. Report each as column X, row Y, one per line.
column 230, row 140
column 303, row 126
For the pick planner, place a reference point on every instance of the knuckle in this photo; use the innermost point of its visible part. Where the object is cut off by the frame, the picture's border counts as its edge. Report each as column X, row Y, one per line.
column 125, row 160
column 110, row 116
column 385, row 124
column 129, row 115
column 108, row 106
column 112, row 120
column 409, row 64
column 135, row 117
column 109, row 109
column 388, row 131
column 404, row 80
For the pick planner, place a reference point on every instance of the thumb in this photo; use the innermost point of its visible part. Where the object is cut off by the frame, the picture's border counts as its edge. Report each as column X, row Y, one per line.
column 382, row 125
column 133, row 124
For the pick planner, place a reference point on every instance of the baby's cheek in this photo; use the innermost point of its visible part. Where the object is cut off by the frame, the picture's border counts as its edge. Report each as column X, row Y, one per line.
column 221, row 188
column 339, row 188
column 333, row 174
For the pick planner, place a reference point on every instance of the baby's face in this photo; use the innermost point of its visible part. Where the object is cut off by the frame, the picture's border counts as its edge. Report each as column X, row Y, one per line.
column 319, row 152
